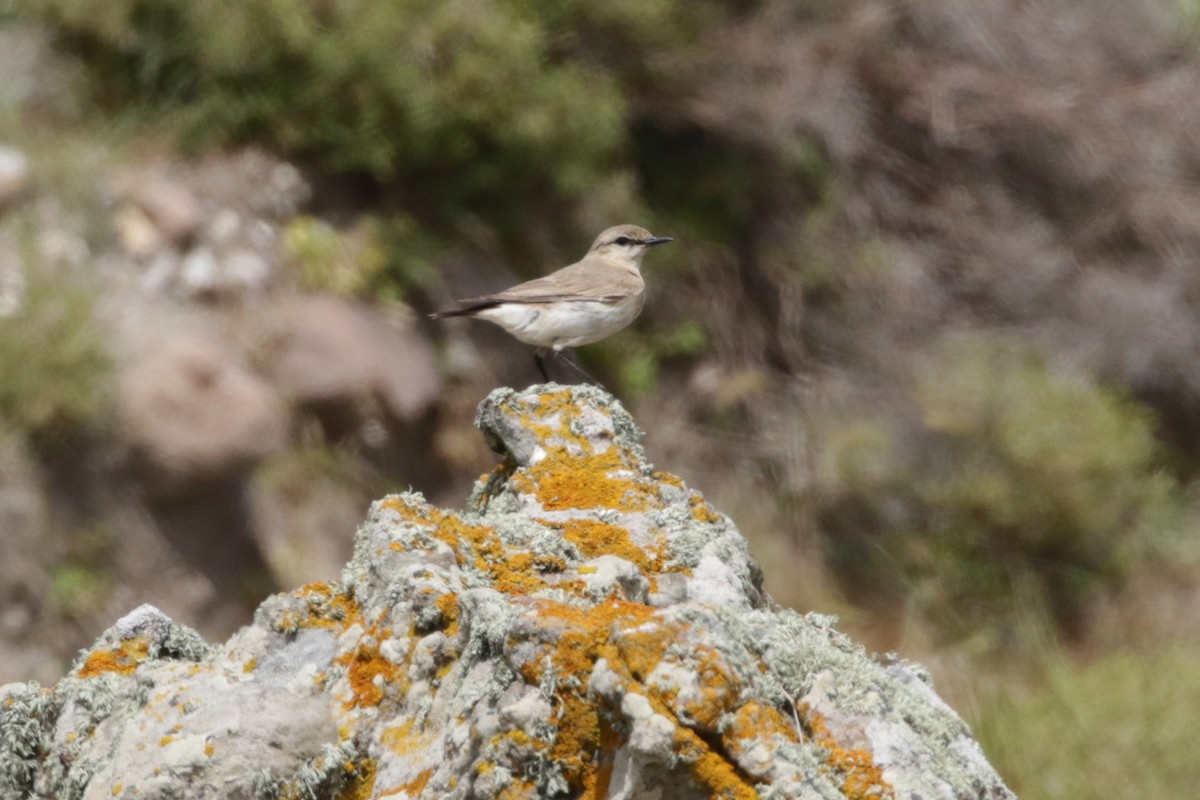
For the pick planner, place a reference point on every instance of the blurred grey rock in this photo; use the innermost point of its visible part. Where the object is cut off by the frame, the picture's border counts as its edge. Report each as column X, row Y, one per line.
column 346, row 362
column 243, row 271
column 137, row 234
column 27, row 641
column 62, row 247
column 194, row 415
column 16, row 176
column 160, row 271
column 224, row 226
column 172, row 208
column 199, row 273
column 478, row 654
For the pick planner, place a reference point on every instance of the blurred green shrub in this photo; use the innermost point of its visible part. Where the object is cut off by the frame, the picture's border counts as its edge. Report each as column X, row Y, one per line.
column 55, row 375
column 637, row 358
column 342, row 263
column 82, row 577
column 1027, row 490
column 501, row 107
column 1123, row 728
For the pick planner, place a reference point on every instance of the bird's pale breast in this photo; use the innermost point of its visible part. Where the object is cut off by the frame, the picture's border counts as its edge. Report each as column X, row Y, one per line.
column 564, row 323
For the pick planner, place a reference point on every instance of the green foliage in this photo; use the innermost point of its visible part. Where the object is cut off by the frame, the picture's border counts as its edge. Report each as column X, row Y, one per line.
column 638, row 359
column 1030, row 489
column 341, row 263
column 1122, row 729
column 502, row 107
column 76, row 589
column 81, row 581
column 1043, row 476
column 54, row 372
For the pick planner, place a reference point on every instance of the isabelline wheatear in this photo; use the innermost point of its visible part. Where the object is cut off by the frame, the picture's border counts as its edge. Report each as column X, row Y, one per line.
column 588, row 301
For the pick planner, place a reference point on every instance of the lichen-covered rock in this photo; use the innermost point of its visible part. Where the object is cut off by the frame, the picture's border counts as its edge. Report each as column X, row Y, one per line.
column 587, row 628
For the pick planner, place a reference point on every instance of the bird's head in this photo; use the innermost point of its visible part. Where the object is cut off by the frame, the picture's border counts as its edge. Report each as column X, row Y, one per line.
column 624, row 245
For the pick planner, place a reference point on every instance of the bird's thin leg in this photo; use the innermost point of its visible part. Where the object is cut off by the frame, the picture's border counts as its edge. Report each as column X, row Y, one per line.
column 571, row 362
column 541, row 365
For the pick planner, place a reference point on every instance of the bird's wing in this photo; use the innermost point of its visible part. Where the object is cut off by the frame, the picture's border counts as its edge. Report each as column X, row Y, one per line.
column 580, row 281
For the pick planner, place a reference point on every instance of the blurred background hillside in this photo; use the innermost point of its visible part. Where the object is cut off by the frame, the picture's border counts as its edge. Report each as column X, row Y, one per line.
column 929, row 332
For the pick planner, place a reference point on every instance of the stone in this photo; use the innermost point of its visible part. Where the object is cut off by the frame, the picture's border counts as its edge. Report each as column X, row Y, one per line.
column 193, row 415
column 587, row 627
column 199, row 272
column 16, row 176
column 136, row 232
column 343, row 361
column 26, row 638
column 171, row 207
column 244, row 270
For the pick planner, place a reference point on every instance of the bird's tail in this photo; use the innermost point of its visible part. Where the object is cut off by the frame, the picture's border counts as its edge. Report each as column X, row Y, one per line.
column 470, row 309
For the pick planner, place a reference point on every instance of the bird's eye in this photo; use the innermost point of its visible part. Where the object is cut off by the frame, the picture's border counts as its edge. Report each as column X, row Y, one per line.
column 623, row 240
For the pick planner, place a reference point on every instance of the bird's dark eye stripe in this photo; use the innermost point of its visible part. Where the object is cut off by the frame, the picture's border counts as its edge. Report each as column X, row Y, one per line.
column 624, row 240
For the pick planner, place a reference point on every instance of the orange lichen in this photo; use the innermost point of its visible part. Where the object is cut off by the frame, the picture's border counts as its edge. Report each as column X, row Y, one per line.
column 414, row 787
column 711, row 769
column 638, row 649
column 364, row 664
column 122, row 659
column 628, row 637
column 325, row 607
column 405, row 739
column 642, row 647
column 753, row 722
column 250, row 665
column 668, row 479
column 481, row 547
column 594, row 538
column 599, row 481
column 585, row 637
column 718, row 689
column 573, row 473
column 702, row 511
column 596, row 780
column 861, row 778
column 447, row 606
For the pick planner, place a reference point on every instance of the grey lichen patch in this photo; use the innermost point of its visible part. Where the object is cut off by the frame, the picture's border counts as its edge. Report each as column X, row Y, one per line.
column 324, row 776
column 62, row 734
column 157, row 637
column 518, row 531
column 27, row 716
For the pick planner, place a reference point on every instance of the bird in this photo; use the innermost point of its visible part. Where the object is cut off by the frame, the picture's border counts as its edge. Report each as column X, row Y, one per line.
column 579, row 304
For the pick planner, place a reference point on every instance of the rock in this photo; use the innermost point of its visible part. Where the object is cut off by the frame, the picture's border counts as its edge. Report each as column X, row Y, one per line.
column 344, row 361
column 589, row 627
column 193, row 415
column 171, row 207
column 199, row 272
column 16, row 177
column 136, row 232
column 27, row 640
column 244, row 270
column 223, row 227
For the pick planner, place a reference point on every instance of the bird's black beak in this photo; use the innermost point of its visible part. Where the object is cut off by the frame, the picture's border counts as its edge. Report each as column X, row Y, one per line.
column 653, row 240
